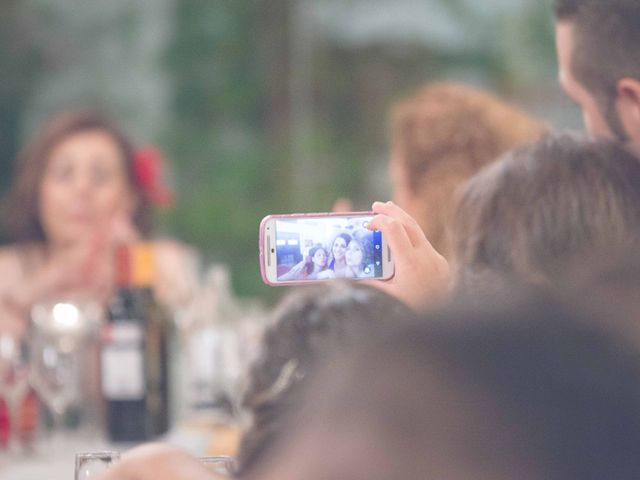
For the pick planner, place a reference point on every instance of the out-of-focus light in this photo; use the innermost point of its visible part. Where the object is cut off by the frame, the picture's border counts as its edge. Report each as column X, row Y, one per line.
column 66, row 315
column 7, row 346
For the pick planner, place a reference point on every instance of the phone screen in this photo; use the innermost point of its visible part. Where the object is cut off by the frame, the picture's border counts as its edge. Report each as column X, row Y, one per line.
column 321, row 248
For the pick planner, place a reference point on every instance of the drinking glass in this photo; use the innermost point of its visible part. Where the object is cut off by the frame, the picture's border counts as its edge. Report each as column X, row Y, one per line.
column 59, row 360
column 14, row 382
column 91, row 465
column 222, row 465
column 54, row 375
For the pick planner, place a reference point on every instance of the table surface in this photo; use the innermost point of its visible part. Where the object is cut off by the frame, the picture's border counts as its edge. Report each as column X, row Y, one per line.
column 57, row 462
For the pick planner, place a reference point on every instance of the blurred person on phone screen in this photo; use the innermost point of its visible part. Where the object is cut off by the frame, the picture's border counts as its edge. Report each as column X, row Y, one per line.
column 310, row 267
column 358, row 256
column 337, row 261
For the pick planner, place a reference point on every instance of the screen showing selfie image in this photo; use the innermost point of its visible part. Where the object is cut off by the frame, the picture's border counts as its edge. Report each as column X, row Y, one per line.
column 327, row 247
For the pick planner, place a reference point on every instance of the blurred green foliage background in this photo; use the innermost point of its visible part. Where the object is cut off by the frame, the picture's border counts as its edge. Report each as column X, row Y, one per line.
column 263, row 106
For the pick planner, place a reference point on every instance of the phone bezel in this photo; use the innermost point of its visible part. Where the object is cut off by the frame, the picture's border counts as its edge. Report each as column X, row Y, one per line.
column 268, row 259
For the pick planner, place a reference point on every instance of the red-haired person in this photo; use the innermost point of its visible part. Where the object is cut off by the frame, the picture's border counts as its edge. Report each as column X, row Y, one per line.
column 441, row 136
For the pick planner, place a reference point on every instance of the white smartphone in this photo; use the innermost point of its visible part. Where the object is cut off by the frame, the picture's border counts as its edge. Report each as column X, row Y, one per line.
column 312, row 247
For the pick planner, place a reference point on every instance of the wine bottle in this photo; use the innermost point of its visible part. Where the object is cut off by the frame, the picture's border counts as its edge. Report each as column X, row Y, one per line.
column 156, row 341
column 135, row 352
column 123, row 359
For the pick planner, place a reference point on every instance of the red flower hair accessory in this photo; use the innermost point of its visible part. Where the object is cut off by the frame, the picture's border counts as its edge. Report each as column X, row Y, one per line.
column 150, row 176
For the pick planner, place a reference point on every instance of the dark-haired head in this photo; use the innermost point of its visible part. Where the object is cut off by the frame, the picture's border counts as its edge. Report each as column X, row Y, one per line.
column 308, row 326
column 600, row 63
column 338, row 247
column 344, row 236
column 545, row 206
column 528, row 392
column 312, row 255
column 359, row 250
column 23, row 215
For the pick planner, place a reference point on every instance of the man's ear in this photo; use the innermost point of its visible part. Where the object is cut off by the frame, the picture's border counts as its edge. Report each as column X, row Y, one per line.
column 628, row 104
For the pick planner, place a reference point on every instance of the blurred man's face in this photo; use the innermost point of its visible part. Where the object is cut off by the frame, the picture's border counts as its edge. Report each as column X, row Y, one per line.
column 594, row 121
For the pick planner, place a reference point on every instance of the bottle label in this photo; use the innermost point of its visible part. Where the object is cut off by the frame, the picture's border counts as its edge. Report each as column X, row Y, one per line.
column 123, row 362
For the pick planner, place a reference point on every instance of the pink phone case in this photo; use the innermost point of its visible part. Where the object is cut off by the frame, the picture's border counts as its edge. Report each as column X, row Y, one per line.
column 264, row 221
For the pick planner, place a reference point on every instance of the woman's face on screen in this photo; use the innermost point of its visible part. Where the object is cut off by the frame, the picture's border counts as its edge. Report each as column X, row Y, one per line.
column 354, row 254
column 339, row 247
column 319, row 258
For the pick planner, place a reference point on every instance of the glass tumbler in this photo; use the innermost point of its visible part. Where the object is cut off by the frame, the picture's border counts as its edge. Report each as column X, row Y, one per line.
column 221, row 465
column 90, row 465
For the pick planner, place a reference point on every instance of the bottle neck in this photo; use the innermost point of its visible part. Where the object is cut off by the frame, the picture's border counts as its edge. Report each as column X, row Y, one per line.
column 135, row 266
column 142, row 266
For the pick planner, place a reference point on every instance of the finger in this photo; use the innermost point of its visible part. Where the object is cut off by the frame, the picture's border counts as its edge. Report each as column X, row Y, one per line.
column 94, row 254
column 414, row 231
column 342, row 205
column 379, row 284
column 117, row 230
column 396, row 235
column 123, row 230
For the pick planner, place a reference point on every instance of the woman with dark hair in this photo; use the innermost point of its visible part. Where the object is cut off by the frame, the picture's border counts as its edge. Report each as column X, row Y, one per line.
column 337, row 264
column 78, row 192
column 358, row 257
column 307, row 326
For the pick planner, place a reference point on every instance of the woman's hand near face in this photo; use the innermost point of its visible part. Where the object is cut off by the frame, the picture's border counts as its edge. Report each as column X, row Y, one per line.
column 158, row 462
column 296, row 272
column 422, row 276
column 298, row 268
column 19, row 291
column 87, row 266
column 83, row 269
column 97, row 253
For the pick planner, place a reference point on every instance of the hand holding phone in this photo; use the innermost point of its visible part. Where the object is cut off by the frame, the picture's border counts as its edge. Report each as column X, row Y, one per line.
column 422, row 276
column 301, row 248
